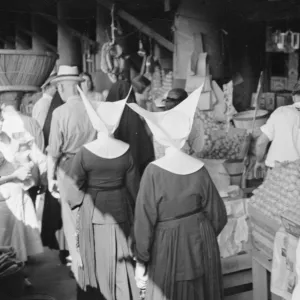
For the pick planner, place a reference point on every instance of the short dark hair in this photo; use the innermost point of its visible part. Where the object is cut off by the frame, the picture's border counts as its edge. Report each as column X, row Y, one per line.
column 90, row 78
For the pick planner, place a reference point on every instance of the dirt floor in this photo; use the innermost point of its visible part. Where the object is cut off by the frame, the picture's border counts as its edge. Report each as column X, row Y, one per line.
column 50, row 277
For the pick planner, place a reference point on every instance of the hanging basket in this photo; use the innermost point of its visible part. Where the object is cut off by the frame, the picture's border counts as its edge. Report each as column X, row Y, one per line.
column 24, row 70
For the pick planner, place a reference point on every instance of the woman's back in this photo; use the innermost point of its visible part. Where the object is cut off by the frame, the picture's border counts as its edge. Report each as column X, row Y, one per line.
column 112, row 184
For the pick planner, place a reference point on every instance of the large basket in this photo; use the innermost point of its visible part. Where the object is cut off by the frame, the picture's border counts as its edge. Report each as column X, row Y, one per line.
column 24, row 70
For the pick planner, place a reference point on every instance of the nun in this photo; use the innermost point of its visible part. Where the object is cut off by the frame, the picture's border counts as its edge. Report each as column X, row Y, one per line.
column 105, row 186
column 178, row 215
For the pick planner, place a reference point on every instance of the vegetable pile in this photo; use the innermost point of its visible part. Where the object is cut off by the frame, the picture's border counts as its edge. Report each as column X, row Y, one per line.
column 219, row 146
column 280, row 191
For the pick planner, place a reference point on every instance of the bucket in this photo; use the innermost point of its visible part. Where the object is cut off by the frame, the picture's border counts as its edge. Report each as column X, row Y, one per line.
column 235, row 170
column 245, row 119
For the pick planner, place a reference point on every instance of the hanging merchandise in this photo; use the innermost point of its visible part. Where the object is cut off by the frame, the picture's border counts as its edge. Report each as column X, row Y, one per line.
column 295, row 41
column 149, row 63
column 112, row 55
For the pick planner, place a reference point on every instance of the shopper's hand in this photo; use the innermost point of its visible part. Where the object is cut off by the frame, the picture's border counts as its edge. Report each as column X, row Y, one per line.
column 141, row 276
column 53, row 188
column 259, row 170
column 22, row 173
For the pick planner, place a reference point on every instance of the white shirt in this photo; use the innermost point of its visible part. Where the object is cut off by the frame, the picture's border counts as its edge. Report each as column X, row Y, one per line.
column 283, row 130
column 41, row 108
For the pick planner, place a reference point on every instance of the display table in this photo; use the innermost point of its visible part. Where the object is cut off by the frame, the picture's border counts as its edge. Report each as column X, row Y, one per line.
column 261, row 265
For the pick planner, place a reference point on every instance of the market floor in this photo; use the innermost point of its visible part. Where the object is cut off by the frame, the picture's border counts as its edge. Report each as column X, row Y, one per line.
column 50, row 277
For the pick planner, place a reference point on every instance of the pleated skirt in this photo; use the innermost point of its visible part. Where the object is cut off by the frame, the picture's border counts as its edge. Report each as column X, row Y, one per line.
column 114, row 264
column 162, row 283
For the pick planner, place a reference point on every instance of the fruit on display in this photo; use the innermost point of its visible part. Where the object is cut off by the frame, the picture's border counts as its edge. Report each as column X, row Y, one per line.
column 280, row 192
column 219, row 146
column 224, row 147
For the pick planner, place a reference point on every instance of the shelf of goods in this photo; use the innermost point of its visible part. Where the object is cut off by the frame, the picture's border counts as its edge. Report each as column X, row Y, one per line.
column 279, row 193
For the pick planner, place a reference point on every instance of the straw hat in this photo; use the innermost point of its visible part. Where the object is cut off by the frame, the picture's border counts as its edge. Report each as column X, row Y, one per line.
column 172, row 127
column 69, row 73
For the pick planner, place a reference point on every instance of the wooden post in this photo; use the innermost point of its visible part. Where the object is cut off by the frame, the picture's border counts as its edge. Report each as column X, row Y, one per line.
column 37, row 25
column 68, row 45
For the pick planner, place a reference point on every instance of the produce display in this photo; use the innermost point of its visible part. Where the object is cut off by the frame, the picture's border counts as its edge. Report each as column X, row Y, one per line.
column 280, row 192
column 218, row 144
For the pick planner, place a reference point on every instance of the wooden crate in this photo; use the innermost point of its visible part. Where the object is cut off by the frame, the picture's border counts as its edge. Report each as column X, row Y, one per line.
column 238, row 286
column 237, row 276
column 237, row 263
column 261, row 266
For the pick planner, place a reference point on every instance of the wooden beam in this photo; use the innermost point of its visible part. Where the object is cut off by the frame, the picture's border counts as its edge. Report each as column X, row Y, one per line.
column 140, row 26
column 265, row 11
column 42, row 40
column 70, row 29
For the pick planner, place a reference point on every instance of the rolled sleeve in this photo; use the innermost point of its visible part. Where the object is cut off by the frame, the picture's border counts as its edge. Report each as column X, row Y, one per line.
column 269, row 128
column 56, row 137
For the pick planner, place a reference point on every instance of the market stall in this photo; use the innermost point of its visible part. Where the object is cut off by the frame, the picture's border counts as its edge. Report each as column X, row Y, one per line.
column 274, row 217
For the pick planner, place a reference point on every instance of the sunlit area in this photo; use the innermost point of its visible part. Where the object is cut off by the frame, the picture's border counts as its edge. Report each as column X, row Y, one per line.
column 149, row 150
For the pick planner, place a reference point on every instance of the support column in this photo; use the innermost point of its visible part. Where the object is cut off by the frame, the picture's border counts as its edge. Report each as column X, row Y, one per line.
column 37, row 25
column 68, row 45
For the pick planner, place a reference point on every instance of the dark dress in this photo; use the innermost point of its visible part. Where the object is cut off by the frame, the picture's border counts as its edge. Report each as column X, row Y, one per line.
column 177, row 220
column 106, row 192
column 131, row 128
column 52, row 230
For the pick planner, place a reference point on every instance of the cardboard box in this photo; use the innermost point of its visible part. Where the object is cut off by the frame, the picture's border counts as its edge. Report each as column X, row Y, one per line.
column 293, row 61
column 263, row 230
column 270, row 101
column 278, row 84
column 237, row 263
column 205, row 101
column 266, row 101
column 291, row 83
column 283, row 99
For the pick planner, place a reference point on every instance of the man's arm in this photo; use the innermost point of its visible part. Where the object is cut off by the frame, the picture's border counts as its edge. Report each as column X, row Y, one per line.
column 261, row 147
column 54, row 150
column 52, row 163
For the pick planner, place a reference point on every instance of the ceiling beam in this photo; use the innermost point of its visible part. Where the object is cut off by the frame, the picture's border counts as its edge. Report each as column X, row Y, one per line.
column 265, row 11
column 139, row 25
column 74, row 32
column 43, row 41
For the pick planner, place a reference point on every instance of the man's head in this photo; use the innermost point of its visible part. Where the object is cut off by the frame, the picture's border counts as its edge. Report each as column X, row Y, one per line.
column 67, row 80
column 175, row 96
column 67, row 89
column 296, row 93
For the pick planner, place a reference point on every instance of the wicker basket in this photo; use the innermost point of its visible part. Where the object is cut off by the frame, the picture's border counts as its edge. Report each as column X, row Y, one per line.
column 24, row 70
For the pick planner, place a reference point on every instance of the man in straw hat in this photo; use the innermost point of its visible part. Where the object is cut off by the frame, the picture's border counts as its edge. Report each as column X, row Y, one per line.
column 283, row 131
column 41, row 107
column 70, row 130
